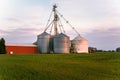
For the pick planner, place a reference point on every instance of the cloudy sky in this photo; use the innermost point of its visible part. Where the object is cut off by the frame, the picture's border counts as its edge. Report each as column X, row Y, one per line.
column 96, row 20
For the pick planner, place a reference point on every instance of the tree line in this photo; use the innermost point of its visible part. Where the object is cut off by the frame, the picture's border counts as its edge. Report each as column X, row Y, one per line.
column 2, row 46
column 94, row 49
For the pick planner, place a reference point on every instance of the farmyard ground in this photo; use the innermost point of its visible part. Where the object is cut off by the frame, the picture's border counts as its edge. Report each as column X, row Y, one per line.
column 98, row 66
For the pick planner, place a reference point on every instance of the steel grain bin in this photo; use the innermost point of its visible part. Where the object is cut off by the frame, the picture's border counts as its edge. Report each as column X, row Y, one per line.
column 80, row 44
column 43, row 42
column 61, row 43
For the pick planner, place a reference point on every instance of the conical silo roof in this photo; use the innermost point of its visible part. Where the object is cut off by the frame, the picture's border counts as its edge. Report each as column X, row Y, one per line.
column 43, row 35
column 80, row 38
column 61, row 35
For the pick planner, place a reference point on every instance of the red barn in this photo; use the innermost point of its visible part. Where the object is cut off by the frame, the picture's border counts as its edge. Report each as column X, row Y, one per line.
column 18, row 48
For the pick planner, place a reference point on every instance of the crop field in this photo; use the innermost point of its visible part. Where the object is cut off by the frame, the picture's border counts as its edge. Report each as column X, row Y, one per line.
column 97, row 66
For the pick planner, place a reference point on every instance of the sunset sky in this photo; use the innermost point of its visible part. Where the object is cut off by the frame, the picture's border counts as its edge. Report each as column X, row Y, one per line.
column 96, row 20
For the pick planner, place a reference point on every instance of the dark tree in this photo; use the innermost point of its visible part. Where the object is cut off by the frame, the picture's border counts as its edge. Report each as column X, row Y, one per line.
column 2, row 46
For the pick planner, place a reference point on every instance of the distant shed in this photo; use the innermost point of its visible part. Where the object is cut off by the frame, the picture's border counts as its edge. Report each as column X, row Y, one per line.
column 17, row 48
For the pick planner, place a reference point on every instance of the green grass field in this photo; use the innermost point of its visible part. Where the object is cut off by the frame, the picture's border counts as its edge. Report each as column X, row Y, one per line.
column 98, row 66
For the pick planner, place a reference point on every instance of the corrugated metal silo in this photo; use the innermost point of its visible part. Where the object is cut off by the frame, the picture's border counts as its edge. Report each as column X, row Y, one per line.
column 80, row 44
column 43, row 42
column 61, row 43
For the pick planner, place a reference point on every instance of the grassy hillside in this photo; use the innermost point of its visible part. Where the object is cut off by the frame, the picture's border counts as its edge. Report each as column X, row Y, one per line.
column 99, row 66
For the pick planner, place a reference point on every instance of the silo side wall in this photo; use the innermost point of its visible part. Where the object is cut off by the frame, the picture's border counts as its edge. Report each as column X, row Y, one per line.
column 81, row 48
column 43, row 45
column 80, row 45
column 61, row 45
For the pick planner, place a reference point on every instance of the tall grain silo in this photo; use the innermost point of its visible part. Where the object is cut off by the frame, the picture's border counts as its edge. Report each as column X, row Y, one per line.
column 43, row 42
column 61, row 43
column 80, row 44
